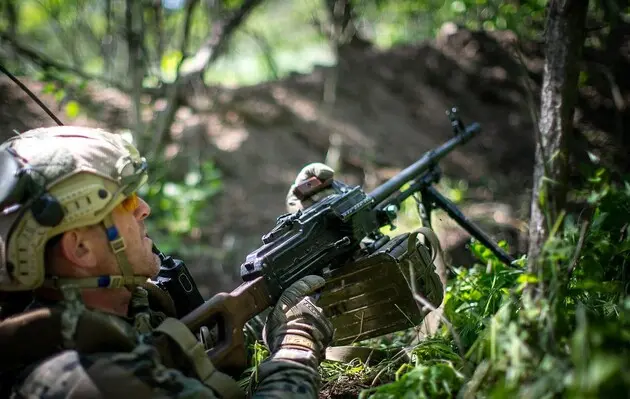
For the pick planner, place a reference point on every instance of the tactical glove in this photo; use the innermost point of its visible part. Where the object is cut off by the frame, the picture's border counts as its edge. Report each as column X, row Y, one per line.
column 296, row 325
column 316, row 169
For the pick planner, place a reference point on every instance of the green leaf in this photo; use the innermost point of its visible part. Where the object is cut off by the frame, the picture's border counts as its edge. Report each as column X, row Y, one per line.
column 527, row 278
column 458, row 7
column 32, row 16
column 623, row 247
column 49, row 88
column 72, row 109
column 169, row 62
column 583, row 79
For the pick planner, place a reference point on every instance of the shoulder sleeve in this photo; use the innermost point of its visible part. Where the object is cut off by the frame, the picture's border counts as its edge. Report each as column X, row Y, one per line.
column 137, row 374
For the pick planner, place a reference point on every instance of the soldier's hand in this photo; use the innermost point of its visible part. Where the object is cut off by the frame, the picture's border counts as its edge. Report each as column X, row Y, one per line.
column 296, row 323
column 316, row 169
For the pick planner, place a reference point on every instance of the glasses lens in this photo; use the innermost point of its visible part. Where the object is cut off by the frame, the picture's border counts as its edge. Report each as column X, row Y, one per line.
column 130, row 203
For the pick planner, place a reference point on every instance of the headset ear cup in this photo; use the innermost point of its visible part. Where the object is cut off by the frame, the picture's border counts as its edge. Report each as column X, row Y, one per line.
column 47, row 211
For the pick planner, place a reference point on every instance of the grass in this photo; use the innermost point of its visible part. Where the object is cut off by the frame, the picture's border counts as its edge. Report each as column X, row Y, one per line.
column 571, row 341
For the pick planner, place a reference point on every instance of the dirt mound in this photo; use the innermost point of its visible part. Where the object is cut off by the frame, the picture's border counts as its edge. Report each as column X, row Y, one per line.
column 18, row 112
column 389, row 108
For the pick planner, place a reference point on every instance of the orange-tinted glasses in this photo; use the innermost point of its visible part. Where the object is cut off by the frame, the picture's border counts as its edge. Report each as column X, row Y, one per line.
column 131, row 203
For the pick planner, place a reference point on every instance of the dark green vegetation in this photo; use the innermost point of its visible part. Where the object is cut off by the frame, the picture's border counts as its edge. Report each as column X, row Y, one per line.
column 559, row 329
column 572, row 341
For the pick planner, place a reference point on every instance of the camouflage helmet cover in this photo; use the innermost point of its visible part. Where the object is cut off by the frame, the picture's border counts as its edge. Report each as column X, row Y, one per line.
column 88, row 171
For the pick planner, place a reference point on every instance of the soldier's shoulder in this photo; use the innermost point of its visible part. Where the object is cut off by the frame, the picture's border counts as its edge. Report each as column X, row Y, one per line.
column 55, row 377
column 135, row 374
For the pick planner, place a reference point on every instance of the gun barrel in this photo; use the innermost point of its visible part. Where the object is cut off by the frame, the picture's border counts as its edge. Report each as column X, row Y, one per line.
column 430, row 158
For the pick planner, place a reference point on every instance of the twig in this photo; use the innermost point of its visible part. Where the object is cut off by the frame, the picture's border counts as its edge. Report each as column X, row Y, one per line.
column 531, row 104
column 469, row 390
column 266, row 49
column 166, row 117
column 61, row 36
column 108, row 40
column 615, row 92
column 197, row 64
column 45, row 62
column 31, row 95
column 428, row 305
column 134, row 35
column 216, row 42
column 578, row 248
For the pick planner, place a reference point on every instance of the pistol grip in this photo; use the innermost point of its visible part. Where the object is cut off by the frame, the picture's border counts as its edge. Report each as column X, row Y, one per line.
column 229, row 312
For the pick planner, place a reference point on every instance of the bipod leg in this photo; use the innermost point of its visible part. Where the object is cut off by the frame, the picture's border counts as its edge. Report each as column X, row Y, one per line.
column 425, row 206
column 429, row 193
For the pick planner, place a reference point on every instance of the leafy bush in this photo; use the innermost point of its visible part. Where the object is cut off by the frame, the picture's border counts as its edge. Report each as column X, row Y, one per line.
column 564, row 332
column 176, row 205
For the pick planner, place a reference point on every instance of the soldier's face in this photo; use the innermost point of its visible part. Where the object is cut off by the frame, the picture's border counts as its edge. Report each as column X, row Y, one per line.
column 87, row 251
column 129, row 219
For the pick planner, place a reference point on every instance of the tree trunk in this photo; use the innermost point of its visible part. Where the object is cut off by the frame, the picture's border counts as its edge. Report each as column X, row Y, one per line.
column 135, row 34
column 343, row 30
column 564, row 35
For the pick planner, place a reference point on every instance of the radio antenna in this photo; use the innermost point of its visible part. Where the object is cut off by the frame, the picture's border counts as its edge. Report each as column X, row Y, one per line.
column 31, row 94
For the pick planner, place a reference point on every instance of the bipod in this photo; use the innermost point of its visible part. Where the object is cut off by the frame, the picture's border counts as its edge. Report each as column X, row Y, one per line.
column 430, row 199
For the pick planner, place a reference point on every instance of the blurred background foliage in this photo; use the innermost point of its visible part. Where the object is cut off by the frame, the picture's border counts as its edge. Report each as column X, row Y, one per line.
column 90, row 35
column 68, row 43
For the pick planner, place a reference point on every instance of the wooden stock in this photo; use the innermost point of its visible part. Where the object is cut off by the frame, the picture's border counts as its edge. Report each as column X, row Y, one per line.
column 229, row 312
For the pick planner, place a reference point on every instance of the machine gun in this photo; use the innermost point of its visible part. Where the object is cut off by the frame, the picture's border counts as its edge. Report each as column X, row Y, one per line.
column 336, row 231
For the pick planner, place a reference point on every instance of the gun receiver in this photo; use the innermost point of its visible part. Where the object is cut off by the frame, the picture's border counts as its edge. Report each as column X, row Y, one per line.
column 316, row 240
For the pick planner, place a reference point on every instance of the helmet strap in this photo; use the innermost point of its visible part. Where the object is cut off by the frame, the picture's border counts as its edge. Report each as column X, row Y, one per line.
column 117, row 245
column 114, row 281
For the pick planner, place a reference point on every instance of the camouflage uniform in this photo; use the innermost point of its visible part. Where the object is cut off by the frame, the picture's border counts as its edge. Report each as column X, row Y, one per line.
column 141, row 374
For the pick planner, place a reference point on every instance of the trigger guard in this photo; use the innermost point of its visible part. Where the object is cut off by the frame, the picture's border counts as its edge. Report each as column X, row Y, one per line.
column 207, row 337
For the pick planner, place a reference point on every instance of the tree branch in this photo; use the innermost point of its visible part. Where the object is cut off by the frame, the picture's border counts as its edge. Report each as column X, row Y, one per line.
column 158, row 17
column 342, row 29
column 108, row 41
column 46, row 63
column 166, row 117
column 54, row 10
column 134, row 33
column 197, row 64
column 12, row 16
column 216, row 42
column 266, row 49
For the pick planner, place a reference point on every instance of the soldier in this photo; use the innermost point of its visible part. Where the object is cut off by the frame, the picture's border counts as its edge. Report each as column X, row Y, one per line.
column 72, row 234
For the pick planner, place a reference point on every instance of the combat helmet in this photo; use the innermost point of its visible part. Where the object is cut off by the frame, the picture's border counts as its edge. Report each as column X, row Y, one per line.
column 56, row 179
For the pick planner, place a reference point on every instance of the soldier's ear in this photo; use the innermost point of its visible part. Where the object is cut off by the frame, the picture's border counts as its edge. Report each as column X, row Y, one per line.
column 79, row 247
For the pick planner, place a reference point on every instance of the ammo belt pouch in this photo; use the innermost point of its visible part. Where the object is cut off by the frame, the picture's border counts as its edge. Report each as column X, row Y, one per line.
column 373, row 295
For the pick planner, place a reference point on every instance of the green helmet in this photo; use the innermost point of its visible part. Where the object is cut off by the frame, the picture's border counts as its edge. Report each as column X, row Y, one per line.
column 56, row 179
